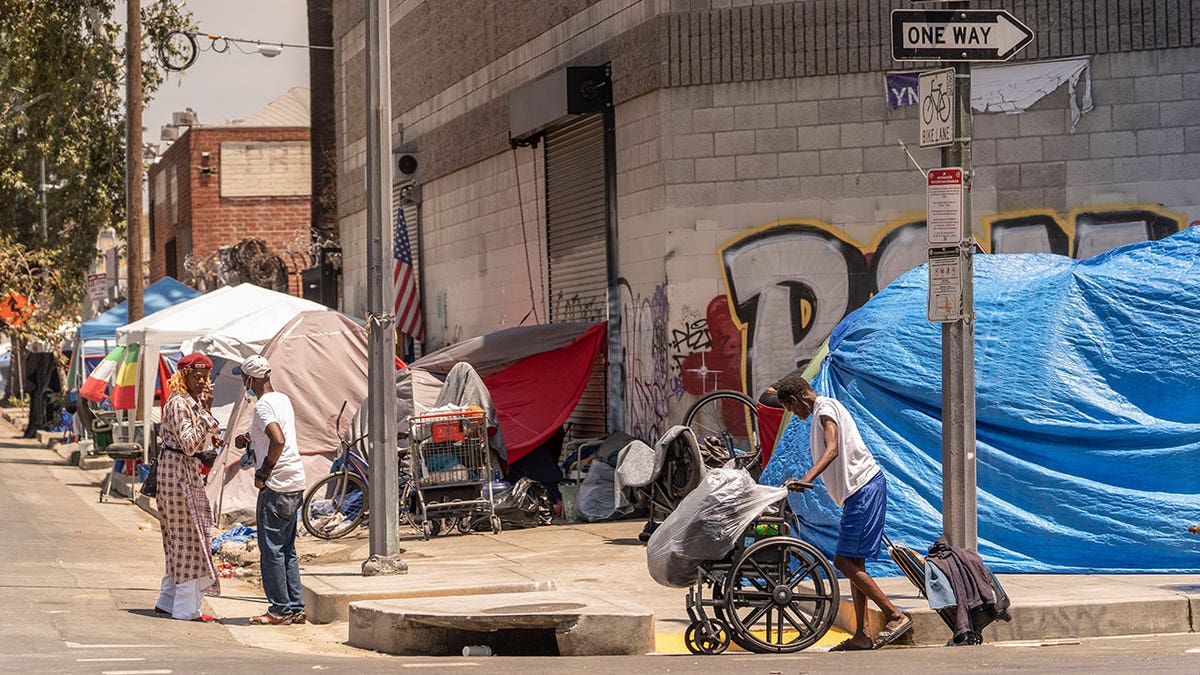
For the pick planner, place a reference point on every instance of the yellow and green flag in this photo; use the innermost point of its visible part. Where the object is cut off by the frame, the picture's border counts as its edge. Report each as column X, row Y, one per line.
column 95, row 388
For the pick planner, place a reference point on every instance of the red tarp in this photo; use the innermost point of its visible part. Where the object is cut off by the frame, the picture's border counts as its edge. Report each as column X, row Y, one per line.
column 536, row 395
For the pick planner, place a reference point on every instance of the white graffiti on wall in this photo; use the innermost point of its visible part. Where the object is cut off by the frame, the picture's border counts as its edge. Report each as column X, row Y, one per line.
column 645, row 363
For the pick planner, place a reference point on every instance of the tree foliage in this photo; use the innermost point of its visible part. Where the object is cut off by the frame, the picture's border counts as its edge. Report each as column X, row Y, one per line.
column 62, row 99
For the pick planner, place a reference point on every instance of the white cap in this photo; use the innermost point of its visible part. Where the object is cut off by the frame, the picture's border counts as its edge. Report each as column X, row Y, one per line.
column 255, row 366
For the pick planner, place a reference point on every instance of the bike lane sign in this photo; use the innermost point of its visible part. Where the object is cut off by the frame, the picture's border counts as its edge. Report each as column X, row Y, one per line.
column 944, row 206
column 935, row 91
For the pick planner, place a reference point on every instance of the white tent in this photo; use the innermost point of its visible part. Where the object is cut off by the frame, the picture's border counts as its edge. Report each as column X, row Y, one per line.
column 266, row 311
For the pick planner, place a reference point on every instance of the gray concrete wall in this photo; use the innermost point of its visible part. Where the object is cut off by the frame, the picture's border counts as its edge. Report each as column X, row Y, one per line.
column 764, row 127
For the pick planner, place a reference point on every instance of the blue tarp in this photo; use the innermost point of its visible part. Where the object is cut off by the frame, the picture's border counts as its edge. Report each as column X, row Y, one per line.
column 1087, row 407
column 158, row 295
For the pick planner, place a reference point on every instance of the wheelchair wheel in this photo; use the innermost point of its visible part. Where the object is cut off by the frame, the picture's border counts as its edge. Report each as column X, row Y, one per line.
column 697, row 642
column 682, row 471
column 330, row 510
column 781, row 596
column 726, row 427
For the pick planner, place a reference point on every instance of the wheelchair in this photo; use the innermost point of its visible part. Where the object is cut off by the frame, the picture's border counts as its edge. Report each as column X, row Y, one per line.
column 773, row 593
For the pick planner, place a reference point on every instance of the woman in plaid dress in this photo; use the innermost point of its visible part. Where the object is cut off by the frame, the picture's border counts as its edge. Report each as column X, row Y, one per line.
column 183, row 510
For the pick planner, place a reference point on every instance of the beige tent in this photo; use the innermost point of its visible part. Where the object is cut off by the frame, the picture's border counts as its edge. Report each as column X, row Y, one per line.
column 319, row 359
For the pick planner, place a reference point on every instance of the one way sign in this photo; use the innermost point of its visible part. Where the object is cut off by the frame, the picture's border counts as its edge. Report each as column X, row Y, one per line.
column 957, row 35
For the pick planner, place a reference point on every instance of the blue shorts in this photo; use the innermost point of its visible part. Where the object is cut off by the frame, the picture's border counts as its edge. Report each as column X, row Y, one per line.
column 862, row 520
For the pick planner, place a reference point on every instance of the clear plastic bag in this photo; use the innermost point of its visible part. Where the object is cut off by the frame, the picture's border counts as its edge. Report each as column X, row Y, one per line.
column 706, row 524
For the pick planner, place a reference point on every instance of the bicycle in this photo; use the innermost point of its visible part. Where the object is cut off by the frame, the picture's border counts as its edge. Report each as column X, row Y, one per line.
column 340, row 502
column 726, row 426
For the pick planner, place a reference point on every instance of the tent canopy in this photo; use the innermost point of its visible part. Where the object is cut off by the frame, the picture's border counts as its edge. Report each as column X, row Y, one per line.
column 535, row 374
column 200, row 316
column 213, row 311
column 158, row 296
column 319, row 359
column 1087, row 409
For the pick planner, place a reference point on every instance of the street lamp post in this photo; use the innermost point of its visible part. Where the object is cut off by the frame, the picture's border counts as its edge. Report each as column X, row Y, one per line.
column 381, row 336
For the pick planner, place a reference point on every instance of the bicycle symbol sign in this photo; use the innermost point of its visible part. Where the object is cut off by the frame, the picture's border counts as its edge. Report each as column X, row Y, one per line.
column 936, row 93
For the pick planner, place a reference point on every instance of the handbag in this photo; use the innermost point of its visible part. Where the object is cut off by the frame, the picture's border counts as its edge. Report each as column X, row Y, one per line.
column 208, row 457
column 150, row 485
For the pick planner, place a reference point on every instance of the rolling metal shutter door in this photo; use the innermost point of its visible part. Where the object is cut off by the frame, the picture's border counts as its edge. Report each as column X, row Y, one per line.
column 577, row 249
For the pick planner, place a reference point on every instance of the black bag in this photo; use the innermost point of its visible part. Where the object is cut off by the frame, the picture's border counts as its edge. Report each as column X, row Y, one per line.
column 208, row 457
column 150, row 485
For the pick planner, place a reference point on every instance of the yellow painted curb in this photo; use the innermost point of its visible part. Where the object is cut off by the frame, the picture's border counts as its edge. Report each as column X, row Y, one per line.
column 672, row 643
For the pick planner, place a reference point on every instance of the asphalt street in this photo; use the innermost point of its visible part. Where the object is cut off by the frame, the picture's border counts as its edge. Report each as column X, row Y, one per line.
column 78, row 580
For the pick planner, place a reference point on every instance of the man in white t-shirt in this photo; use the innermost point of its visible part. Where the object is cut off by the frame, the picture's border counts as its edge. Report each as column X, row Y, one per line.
column 279, row 477
column 858, row 485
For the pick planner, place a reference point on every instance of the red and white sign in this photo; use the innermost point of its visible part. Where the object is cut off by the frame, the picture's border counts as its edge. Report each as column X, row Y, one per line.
column 944, row 205
column 97, row 285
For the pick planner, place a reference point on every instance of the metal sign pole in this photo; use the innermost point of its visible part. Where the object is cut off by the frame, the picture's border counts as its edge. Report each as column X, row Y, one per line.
column 959, row 517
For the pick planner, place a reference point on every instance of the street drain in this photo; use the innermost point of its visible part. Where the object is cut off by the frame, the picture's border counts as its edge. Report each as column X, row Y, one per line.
column 536, row 608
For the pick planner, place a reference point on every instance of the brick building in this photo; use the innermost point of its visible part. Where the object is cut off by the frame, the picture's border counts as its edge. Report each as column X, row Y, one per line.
column 217, row 186
column 746, row 189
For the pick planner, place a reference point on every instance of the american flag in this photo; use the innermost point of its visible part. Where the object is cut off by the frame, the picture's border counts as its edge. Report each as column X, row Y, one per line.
column 408, row 304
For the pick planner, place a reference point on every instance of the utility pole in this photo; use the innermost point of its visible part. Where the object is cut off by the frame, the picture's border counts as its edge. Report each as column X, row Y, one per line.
column 959, row 509
column 381, row 322
column 133, row 158
column 42, row 194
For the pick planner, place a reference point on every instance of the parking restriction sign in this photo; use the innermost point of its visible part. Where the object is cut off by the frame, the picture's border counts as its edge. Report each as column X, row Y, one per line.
column 944, row 206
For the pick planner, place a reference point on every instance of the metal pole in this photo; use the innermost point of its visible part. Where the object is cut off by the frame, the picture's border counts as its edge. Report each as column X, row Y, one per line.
column 133, row 157
column 42, row 193
column 959, row 517
column 381, row 340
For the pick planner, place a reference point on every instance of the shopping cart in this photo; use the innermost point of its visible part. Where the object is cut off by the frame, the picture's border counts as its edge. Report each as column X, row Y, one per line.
column 451, row 467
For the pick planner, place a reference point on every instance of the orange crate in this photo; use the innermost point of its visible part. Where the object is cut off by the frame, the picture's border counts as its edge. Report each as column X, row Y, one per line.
column 447, row 431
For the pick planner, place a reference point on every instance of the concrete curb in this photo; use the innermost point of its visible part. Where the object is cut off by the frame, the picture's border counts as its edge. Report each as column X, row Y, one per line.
column 329, row 592
column 556, row 622
column 1053, row 607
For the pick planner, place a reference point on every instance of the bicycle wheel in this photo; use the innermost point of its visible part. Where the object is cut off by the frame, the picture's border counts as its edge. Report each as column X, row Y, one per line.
column 726, row 426
column 335, row 506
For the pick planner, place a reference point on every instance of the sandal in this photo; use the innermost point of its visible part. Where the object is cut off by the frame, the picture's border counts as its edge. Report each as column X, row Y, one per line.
column 269, row 619
column 298, row 617
column 206, row 618
column 887, row 637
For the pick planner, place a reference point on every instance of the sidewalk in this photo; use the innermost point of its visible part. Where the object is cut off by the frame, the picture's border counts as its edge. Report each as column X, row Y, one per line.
column 605, row 560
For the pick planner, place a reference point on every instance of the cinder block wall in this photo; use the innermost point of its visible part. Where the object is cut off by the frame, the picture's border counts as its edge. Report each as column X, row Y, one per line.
column 480, row 258
column 759, row 123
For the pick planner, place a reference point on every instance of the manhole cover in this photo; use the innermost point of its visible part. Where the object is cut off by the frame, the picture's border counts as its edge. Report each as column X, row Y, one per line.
column 535, row 608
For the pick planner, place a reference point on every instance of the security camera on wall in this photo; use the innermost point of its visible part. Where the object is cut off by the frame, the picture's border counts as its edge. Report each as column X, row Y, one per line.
column 406, row 165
